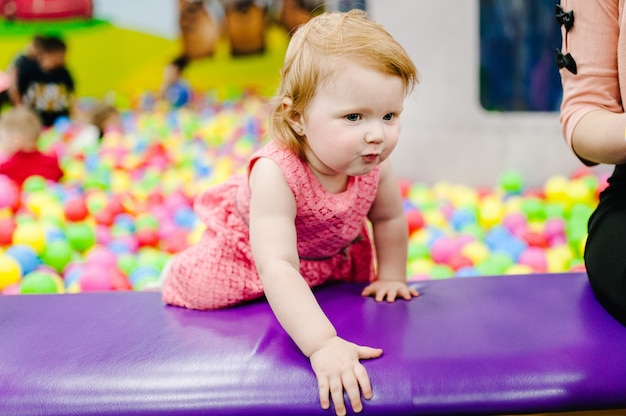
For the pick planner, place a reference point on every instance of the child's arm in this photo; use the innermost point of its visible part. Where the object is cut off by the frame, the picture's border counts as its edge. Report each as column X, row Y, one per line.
column 391, row 239
column 273, row 239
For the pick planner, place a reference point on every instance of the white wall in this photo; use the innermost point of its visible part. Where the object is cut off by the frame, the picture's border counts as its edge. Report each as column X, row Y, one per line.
column 447, row 136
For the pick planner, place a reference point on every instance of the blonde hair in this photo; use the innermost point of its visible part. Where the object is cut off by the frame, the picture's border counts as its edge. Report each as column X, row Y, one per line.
column 100, row 113
column 312, row 56
column 23, row 121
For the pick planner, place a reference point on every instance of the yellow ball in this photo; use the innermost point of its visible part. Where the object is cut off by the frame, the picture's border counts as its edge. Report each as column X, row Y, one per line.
column 559, row 258
column 10, row 271
column 555, row 189
column 490, row 212
column 30, row 234
column 476, row 251
column 419, row 266
column 519, row 269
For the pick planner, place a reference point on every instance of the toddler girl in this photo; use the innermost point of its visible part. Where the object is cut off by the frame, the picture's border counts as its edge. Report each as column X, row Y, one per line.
column 299, row 217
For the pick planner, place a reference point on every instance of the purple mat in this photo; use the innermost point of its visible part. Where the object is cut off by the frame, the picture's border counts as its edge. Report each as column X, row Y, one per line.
column 504, row 344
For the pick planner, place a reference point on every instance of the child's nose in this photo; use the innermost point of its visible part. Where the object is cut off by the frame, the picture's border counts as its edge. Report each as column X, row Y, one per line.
column 375, row 134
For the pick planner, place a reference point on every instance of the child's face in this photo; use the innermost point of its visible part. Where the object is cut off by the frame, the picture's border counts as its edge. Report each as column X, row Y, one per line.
column 51, row 60
column 352, row 123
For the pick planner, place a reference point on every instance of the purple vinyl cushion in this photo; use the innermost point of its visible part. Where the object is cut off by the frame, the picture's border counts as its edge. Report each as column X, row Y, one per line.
column 502, row 344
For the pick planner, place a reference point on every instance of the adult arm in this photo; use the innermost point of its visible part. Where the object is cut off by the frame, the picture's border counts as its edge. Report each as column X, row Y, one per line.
column 592, row 115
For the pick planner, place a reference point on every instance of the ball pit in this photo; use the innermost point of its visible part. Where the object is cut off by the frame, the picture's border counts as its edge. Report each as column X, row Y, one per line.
column 125, row 207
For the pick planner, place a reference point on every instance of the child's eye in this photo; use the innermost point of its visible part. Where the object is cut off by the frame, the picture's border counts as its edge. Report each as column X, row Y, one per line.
column 353, row 117
column 389, row 116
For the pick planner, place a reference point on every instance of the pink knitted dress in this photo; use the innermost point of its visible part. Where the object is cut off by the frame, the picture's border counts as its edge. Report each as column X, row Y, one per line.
column 333, row 239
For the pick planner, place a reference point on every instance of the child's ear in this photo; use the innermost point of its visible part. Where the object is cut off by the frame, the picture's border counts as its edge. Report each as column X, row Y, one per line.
column 295, row 119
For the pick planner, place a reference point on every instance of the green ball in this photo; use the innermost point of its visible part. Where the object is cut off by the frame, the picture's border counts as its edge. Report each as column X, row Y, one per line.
column 80, row 235
column 127, row 263
column 512, row 182
column 34, row 183
column 441, row 271
column 418, row 251
column 534, row 209
column 38, row 282
column 57, row 254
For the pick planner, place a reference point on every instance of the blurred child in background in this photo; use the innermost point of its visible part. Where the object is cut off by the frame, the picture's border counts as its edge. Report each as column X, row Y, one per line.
column 27, row 61
column 175, row 89
column 19, row 134
column 48, row 88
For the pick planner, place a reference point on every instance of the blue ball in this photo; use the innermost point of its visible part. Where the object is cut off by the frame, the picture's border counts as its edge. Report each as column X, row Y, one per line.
column 178, row 94
column 25, row 256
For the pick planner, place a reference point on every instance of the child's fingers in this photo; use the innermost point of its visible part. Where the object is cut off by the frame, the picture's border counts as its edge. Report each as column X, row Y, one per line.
column 324, row 390
column 336, row 394
column 364, row 381
column 351, row 385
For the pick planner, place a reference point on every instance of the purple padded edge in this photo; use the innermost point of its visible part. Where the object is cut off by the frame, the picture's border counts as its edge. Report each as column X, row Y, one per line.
column 502, row 344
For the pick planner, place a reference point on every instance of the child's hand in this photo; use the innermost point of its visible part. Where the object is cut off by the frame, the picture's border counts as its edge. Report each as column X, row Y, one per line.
column 389, row 289
column 337, row 368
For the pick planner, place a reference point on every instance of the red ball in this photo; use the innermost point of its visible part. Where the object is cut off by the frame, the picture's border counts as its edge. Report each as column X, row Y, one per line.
column 76, row 209
column 175, row 242
column 119, row 280
column 458, row 261
column 536, row 239
column 147, row 237
column 7, row 226
column 405, row 187
column 105, row 217
column 415, row 220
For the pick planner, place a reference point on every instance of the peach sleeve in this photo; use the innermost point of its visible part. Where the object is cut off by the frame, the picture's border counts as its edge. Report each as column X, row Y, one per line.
column 593, row 43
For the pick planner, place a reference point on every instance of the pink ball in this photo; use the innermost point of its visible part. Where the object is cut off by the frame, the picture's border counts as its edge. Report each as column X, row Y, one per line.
column 534, row 258
column 443, row 249
column 94, row 279
column 516, row 223
column 103, row 234
column 555, row 230
column 101, row 257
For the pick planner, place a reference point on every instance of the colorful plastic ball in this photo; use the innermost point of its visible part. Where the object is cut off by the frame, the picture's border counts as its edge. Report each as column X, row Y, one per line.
column 101, row 256
column 441, row 271
column 443, row 249
column 80, row 235
column 512, row 182
column 490, row 212
column 76, row 209
column 39, row 282
column 477, row 251
column 141, row 273
column 31, row 234
column 57, row 254
column 119, row 280
column 7, row 227
column 535, row 259
column 146, row 220
column 10, row 271
column 533, row 208
column 9, row 194
column 468, row 271
column 147, row 237
column 94, row 279
column 127, row 263
column 34, row 183
column 462, row 218
column 25, row 256
column 415, row 220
